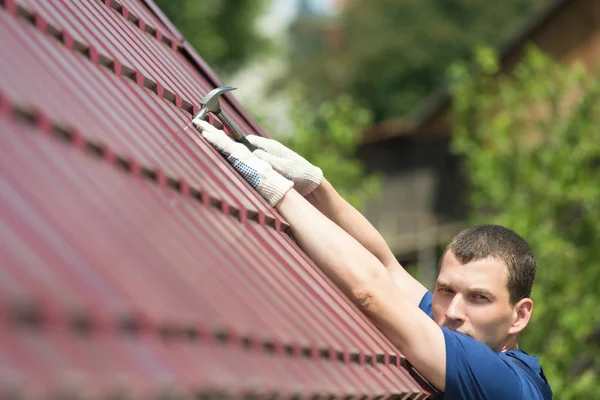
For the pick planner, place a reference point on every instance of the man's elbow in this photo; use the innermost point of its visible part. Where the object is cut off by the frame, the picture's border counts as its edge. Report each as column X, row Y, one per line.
column 364, row 298
column 371, row 292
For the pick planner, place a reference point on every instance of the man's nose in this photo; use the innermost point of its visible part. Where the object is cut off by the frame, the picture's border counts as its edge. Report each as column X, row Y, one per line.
column 455, row 311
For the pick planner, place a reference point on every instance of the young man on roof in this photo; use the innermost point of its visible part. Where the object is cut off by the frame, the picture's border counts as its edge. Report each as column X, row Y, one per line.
column 463, row 338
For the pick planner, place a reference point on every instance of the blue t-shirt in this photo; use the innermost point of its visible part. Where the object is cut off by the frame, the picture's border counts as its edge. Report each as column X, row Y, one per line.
column 474, row 371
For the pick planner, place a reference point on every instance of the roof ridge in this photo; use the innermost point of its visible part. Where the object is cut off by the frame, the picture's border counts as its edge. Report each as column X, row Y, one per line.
column 190, row 53
column 440, row 96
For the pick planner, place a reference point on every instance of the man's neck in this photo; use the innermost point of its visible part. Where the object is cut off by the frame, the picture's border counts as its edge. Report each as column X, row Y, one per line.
column 511, row 343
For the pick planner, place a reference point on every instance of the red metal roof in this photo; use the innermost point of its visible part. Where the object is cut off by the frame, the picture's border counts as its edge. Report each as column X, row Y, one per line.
column 134, row 258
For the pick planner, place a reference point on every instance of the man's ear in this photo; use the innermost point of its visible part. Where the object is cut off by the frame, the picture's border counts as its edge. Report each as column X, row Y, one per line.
column 521, row 315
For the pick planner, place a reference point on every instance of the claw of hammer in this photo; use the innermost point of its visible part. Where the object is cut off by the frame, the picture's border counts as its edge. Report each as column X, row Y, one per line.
column 211, row 104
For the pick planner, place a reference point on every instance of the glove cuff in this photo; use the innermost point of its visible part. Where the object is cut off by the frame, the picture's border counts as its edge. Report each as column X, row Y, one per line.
column 274, row 188
column 312, row 180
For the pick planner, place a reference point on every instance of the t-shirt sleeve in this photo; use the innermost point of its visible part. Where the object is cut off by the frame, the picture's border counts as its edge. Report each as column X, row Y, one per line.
column 425, row 304
column 474, row 371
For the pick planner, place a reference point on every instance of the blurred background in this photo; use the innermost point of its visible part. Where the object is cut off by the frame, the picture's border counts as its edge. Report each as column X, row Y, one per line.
column 432, row 115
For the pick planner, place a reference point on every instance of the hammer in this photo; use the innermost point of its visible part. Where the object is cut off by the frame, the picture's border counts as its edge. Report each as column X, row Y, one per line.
column 211, row 104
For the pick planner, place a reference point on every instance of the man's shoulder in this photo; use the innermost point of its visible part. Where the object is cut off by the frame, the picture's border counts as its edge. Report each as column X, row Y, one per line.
column 530, row 370
column 521, row 356
column 473, row 370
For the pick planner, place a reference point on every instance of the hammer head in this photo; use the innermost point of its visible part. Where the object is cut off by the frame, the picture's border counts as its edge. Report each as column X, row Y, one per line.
column 211, row 100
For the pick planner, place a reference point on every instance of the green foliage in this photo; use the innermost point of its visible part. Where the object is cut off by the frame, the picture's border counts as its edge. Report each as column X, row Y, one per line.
column 394, row 53
column 530, row 142
column 328, row 136
column 222, row 31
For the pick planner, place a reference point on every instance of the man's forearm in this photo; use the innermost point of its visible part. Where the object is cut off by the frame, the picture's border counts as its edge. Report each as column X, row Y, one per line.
column 329, row 245
column 326, row 199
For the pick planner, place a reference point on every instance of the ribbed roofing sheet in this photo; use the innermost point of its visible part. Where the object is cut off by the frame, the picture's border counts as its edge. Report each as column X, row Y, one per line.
column 151, row 130
column 144, row 366
column 275, row 299
column 109, row 33
column 131, row 251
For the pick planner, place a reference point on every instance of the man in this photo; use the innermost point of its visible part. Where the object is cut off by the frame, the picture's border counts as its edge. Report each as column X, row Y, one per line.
column 463, row 338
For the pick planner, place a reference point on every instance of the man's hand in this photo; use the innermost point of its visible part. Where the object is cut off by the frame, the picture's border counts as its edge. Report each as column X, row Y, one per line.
column 258, row 173
column 306, row 176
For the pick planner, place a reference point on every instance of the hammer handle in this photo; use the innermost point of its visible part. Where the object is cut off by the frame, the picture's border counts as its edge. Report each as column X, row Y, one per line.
column 246, row 143
column 239, row 137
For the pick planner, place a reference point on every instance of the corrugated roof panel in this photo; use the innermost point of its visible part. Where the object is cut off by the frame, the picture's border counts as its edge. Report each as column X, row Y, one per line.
column 305, row 292
column 140, row 249
column 116, row 244
column 134, row 236
column 229, row 103
column 145, row 365
column 145, row 14
column 109, row 33
column 133, row 8
column 94, row 93
column 133, row 48
column 138, row 260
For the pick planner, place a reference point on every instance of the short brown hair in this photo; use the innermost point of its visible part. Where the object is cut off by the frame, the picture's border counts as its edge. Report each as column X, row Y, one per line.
column 484, row 241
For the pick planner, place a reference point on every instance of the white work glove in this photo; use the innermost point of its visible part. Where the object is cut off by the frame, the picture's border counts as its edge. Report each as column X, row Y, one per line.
column 258, row 173
column 306, row 176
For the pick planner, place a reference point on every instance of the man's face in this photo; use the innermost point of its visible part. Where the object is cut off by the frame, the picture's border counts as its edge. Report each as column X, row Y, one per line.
column 473, row 299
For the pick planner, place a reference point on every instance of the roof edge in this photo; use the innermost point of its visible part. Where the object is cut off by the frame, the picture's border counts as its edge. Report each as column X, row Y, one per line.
column 440, row 97
column 203, row 68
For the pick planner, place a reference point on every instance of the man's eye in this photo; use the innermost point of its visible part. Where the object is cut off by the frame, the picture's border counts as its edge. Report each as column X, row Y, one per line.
column 445, row 290
column 480, row 297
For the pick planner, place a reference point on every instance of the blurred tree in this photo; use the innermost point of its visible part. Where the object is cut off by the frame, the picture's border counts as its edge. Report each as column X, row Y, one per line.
column 531, row 149
column 390, row 54
column 224, row 32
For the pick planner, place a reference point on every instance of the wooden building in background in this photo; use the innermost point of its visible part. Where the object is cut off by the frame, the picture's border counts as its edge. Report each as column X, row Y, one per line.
column 423, row 204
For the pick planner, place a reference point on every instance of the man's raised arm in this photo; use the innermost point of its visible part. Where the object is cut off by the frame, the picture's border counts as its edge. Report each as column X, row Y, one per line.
column 364, row 279
column 326, row 199
column 353, row 268
column 309, row 182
